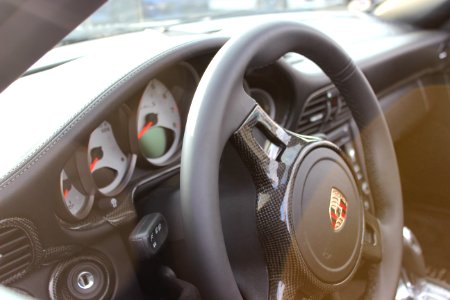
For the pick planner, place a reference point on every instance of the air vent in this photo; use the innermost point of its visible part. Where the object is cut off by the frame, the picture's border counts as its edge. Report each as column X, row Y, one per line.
column 313, row 116
column 16, row 253
column 324, row 113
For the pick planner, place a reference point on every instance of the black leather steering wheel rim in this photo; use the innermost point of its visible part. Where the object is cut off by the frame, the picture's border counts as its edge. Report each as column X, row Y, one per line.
column 218, row 109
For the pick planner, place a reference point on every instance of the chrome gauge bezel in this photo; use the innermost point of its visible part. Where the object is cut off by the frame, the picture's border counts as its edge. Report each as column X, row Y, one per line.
column 180, row 81
column 171, row 118
column 115, row 157
column 264, row 99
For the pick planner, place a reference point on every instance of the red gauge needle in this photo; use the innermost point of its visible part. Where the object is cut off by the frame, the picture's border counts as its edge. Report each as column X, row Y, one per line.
column 93, row 163
column 144, row 130
column 66, row 192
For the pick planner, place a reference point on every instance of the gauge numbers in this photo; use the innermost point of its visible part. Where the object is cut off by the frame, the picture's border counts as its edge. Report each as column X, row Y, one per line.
column 108, row 165
column 158, row 124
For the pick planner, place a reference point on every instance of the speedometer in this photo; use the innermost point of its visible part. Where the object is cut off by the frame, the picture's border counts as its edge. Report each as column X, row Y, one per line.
column 158, row 127
column 111, row 169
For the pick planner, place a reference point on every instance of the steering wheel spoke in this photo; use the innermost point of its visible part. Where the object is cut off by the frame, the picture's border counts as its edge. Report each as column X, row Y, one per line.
column 297, row 207
column 261, row 144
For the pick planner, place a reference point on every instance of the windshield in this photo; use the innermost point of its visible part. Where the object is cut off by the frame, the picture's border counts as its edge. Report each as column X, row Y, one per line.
column 122, row 16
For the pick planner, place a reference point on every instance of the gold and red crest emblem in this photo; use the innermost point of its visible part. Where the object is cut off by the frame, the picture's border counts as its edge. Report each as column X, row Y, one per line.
column 338, row 209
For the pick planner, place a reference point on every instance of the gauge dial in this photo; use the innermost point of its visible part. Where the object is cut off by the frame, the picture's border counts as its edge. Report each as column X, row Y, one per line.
column 109, row 166
column 158, row 124
column 76, row 202
column 265, row 100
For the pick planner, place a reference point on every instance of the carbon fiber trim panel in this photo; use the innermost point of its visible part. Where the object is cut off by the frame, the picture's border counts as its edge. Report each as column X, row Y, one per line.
column 123, row 214
column 58, row 288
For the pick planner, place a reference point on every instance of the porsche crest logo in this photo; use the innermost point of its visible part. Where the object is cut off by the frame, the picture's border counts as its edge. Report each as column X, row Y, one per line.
column 338, row 209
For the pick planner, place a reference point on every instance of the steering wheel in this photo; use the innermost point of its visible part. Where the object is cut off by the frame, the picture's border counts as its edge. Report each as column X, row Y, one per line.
column 312, row 225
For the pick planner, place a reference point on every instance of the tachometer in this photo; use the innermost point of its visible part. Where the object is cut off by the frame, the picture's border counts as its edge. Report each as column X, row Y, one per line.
column 111, row 169
column 158, row 124
column 265, row 100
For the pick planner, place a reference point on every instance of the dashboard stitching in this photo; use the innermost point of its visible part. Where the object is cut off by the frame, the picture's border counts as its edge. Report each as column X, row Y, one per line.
column 28, row 163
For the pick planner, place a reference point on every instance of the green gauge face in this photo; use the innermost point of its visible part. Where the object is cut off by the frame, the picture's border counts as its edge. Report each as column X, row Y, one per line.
column 156, row 142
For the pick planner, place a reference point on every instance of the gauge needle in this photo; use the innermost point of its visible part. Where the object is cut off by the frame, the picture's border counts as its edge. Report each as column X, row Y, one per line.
column 144, row 130
column 93, row 163
column 66, row 192
column 66, row 187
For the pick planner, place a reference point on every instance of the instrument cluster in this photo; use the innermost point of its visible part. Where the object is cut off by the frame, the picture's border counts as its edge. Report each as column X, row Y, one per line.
column 143, row 136
column 144, row 133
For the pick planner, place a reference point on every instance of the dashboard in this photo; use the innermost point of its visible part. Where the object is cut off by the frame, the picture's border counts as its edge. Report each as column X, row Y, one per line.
column 84, row 182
